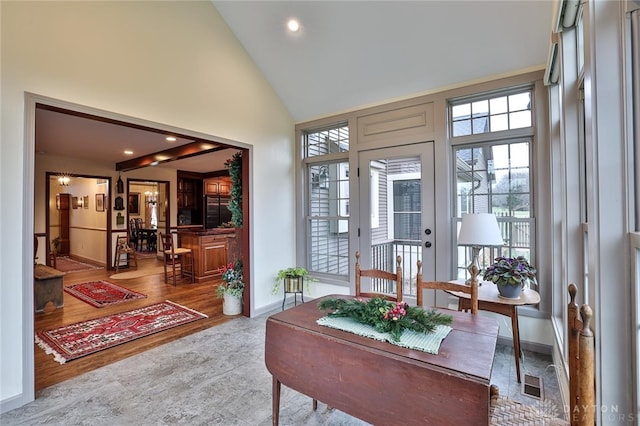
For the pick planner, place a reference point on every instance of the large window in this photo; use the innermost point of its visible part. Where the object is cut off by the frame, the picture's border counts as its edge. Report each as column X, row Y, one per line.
column 494, row 175
column 327, row 209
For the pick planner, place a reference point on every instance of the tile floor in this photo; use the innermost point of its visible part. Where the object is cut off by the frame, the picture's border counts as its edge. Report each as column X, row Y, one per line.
column 215, row 377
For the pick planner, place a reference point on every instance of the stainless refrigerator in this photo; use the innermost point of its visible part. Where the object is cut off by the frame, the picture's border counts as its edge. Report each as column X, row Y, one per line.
column 216, row 211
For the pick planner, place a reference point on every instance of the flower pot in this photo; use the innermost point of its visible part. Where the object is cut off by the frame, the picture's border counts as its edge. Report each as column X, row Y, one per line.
column 509, row 291
column 231, row 305
column 293, row 284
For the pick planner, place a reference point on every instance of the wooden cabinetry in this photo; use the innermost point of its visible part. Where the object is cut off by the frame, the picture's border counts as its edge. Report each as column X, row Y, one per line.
column 210, row 251
column 217, row 186
column 63, row 203
column 189, row 193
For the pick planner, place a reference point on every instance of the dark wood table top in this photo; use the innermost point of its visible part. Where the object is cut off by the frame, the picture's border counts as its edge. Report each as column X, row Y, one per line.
column 468, row 349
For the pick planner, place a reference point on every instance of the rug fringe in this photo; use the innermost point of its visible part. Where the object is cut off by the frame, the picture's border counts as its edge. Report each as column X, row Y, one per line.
column 188, row 309
column 50, row 351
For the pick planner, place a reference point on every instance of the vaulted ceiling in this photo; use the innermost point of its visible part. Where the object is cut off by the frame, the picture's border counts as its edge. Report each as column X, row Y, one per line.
column 346, row 55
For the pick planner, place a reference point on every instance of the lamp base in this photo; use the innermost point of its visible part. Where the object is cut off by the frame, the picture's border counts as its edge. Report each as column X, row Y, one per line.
column 474, row 267
column 468, row 282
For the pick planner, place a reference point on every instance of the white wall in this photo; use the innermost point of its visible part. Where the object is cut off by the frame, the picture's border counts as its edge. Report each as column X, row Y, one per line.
column 174, row 63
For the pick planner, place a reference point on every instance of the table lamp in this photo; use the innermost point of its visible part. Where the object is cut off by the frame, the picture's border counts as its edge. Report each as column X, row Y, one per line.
column 478, row 230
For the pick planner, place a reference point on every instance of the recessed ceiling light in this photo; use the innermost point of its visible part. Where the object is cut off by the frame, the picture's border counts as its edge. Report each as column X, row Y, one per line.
column 293, row 25
column 170, row 138
column 128, row 152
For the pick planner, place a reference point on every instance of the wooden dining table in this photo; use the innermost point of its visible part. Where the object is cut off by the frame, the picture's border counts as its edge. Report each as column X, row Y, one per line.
column 377, row 381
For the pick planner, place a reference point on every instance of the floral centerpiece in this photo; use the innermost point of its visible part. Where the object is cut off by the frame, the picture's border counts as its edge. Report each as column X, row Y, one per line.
column 232, row 280
column 386, row 316
column 510, row 272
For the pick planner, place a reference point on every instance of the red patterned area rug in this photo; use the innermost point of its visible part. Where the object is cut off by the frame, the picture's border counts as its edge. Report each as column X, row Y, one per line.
column 102, row 293
column 66, row 264
column 77, row 340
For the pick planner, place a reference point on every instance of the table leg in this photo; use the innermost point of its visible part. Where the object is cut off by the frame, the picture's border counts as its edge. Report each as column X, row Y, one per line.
column 275, row 411
column 516, row 338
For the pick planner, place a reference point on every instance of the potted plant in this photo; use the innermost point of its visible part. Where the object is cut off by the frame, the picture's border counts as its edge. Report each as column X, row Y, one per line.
column 234, row 164
column 55, row 245
column 510, row 274
column 293, row 278
column 231, row 288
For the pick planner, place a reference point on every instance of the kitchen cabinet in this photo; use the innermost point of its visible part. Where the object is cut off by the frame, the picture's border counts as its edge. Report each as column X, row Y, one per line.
column 217, row 186
column 210, row 250
column 189, row 193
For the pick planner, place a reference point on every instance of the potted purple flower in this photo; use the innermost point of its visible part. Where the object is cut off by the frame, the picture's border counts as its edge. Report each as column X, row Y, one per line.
column 510, row 274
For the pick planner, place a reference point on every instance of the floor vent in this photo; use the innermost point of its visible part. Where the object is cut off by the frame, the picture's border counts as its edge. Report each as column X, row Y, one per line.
column 532, row 386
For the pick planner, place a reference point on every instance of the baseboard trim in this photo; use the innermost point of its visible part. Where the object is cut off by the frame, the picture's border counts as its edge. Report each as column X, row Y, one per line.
column 539, row 348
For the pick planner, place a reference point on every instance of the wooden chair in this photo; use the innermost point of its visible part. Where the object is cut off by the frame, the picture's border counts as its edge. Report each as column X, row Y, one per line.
column 505, row 411
column 137, row 224
column 379, row 274
column 124, row 247
column 133, row 233
column 176, row 256
column 471, row 290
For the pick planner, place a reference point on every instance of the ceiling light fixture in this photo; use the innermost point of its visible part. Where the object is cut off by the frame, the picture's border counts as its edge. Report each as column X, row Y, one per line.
column 170, row 138
column 293, row 25
column 64, row 180
column 128, row 152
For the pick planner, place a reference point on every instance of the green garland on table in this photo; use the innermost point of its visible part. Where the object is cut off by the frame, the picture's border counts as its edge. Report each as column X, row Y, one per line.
column 386, row 316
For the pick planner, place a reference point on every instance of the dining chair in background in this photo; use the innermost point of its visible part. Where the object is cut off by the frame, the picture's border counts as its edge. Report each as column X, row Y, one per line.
column 471, row 290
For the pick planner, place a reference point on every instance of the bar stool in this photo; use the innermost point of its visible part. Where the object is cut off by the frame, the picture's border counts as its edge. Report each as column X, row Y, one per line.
column 176, row 256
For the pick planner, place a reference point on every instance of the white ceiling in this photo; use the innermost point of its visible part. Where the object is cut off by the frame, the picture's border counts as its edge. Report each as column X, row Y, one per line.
column 348, row 54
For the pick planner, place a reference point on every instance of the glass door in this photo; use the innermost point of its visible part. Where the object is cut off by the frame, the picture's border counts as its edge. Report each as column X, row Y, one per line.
column 396, row 189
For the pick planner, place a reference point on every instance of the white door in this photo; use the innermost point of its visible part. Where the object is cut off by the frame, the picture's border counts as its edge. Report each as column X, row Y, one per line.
column 397, row 212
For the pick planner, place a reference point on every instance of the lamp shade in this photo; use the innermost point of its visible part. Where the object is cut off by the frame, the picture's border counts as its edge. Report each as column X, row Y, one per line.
column 480, row 229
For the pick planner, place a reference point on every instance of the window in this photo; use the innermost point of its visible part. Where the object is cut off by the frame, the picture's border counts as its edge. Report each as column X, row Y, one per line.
column 491, row 114
column 327, row 209
column 494, row 176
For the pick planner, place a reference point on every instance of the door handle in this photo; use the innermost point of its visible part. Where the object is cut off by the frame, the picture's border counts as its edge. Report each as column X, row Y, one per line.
column 427, row 244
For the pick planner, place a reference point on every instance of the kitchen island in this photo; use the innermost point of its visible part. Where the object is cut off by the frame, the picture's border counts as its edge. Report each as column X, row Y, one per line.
column 212, row 249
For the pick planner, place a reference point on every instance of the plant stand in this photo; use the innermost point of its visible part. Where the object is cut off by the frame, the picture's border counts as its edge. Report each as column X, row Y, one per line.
column 293, row 285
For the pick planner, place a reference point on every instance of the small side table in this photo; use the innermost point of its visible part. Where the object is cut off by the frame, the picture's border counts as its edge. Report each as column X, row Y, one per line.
column 490, row 300
column 295, row 289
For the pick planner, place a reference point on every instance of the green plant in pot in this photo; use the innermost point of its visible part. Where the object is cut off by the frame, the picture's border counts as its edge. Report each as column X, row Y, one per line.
column 231, row 288
column 292, row 278
column 55, row 245
column 510, row 274
column 234, row 164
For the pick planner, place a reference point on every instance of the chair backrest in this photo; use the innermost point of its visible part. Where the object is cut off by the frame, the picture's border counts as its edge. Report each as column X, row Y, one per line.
column 167, row 242
column 581, row 362
column 133, row 230
column 379, row 274
column 123, row 242
column 471, row 290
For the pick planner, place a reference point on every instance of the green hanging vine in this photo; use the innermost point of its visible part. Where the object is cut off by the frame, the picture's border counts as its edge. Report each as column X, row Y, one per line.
column 234, row 164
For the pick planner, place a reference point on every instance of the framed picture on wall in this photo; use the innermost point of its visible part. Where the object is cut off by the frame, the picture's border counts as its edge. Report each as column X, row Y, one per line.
column 75, row 203
column 85, row 201
column 133, row 207
column 99, row 202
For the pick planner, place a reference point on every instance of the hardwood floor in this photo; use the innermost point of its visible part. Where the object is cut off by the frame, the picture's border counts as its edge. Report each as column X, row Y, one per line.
column 200, row 297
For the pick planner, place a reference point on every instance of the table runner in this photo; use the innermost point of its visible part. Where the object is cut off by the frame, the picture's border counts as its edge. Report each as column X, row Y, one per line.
column 425, row 342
